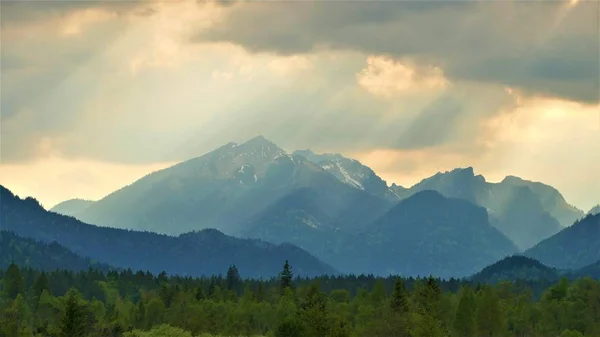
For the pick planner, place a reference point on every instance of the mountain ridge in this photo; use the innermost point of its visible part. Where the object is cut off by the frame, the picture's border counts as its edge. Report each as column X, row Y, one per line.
column 572, row 248
column 151, row 251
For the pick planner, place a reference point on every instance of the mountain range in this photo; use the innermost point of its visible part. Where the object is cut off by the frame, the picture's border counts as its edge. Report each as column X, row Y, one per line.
column 199, row 253
column 338, row 209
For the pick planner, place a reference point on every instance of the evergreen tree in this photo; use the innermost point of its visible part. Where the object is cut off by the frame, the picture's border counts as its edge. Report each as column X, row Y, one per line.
column 428, row 296
column 399, row 302
column 40, row 284
column 313, row 313
column 286, row 278
column 74, row 321
column 14, row 281
column 234, row 280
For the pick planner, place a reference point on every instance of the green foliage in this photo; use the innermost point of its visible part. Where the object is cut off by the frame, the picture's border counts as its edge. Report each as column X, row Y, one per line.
column 464, row 320
column 286, row 277
column 128, row 304
column 74, row 321
column 14, row 282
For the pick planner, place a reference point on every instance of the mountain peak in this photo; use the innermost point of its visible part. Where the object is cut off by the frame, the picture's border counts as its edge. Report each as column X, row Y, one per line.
column 259, row 140
column 464, row 170
column 595, row 210
column 511, row 178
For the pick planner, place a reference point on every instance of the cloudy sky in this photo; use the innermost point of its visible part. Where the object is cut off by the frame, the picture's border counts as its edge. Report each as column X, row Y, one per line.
column 94, row 95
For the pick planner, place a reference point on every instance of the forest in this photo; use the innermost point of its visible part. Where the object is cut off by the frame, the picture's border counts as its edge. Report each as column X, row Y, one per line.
column 139, row 304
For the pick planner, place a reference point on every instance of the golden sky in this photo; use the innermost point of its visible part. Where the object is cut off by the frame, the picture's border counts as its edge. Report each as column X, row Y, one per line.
column 97, row 94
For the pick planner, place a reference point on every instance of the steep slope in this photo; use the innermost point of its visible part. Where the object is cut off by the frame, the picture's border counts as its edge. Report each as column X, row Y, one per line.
column 38, row 255
column 517, row 267
column 200, row 253
column 72, row 207
column 428, row 233
column 351, row 172
column 514, row 208
column 223, row 189
column 572, row 248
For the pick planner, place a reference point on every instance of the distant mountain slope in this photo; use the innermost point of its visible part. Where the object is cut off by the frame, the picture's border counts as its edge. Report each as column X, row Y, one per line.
column 516, row 207
column 552, row 201
column 72, row 207
column 306, row 218
column 223, row 189
column 572, row 248
column 351, row 172
column 592, row 270
column 517, row 267
column 595, row 210
column 200, row 253
column 38, row 255
column 527, row 212
column 430, row 234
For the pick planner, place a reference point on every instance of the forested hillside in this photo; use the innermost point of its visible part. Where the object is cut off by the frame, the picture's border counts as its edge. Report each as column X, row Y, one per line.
column 196, row 253
column 141, row 304
column 517, row 268
column 41, row 256
column 572, row 248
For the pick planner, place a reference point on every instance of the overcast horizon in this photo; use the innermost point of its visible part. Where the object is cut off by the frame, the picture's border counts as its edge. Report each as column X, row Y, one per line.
column 96, row 94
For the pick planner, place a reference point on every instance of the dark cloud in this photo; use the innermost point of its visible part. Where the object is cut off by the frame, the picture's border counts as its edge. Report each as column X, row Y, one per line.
column 522, row 44
column 22, row 11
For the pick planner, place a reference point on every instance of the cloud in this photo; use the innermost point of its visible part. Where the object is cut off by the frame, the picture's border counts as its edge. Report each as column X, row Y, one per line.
column 386, row 77
column 131, row 88
column 53, row 179
column 553, row 141
column 543, row 47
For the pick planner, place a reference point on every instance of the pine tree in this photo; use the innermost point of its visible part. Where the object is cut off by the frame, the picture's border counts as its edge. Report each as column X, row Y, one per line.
column 399, row 302
column 14, row 281
column 313, row 313
column 40, row 284
column 74, row 321
column 234, row 280
column 286, row 278
column 428, row 297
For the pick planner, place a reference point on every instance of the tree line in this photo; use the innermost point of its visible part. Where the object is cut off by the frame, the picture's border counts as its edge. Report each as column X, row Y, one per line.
column 139, row 304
